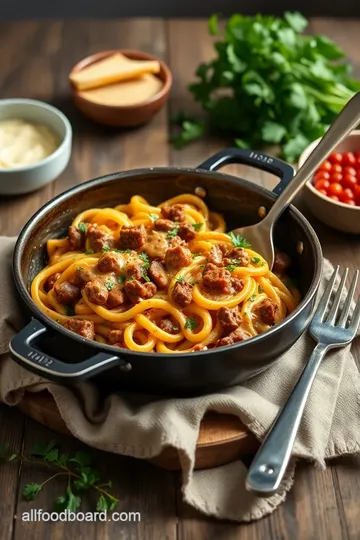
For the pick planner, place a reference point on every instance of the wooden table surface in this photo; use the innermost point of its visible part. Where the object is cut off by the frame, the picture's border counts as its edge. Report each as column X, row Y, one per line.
column 35, row 60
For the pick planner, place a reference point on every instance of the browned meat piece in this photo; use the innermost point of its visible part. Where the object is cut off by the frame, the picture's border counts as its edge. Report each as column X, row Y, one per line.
column 169, row 325
column 215, row 255
column 267, row 311
column 239, row 254
column 182, row 293
column 186, row 231
column 85, row 329
column 174, row 212
column 136, row 290
column 134, row 270
column 163, row 225
column 229, row 319
column 226, row 249
column 237, row 284
column 76, row 239
column 238, row 335
column 132, row 237
column 177, row 257
column 110, row 262
column 115, row 337
column 96, row 292
column 67, row 293
column 177, row 241
column 49, row 283
column 282, row 263
column 158, row 275
column 216, row 279
column 99, row 239
column 83, row 275
column 116, row 298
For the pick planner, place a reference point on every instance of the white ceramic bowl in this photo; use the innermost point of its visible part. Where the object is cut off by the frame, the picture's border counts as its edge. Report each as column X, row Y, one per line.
column 31, row 177
column 337, row 215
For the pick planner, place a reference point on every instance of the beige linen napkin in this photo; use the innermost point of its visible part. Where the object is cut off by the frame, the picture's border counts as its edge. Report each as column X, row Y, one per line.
column 135, row 426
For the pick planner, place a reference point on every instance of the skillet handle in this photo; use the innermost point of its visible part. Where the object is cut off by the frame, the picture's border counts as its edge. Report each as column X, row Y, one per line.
column 46, row 366
column 259, row 160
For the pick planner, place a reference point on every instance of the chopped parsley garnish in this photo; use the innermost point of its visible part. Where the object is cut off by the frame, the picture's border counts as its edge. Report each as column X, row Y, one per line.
column 181, row 279
column 239, row 241
column 123, row 250
column 230, row 267
column 197, row 226
column 190, row 324
column 79, row 268
column 252, row 298
column 109, row 284
column 121, row 278
column 146, row 277
column 195, row 255
column 89, row 252
column 173, row 232
column 260, row 289
column 145, row 258
column 106, row 248
column 193, row 282
column 70, row 311
column 255, row 260
column 153, row 217
column 131, row 278
column 82, row 227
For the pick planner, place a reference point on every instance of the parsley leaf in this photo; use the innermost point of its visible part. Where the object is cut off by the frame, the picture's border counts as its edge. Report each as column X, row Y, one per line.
column 121, row 278
column 82, row 227
column 70, row 311
column 130, row 278
column 89, row 252
column 195, row 255
column 31, row 490
column 190, row 324
column 252, row 298
column 153, row 217
column 239, row 241
column 79, row 268
column 146, row 277
column 145, row 258
column 260, row 289
column 106, row 248
column 109, row 284
column 255, row 260
column 197, row 226
column 181, row 279
column 173, row 232
column 230, row 267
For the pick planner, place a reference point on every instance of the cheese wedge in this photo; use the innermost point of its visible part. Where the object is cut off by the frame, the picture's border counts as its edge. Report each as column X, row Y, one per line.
column 125, row 93
column 112, row 69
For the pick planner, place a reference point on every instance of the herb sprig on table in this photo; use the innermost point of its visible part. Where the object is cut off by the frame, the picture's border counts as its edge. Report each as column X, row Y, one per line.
column 268, row 84
column 77, row 469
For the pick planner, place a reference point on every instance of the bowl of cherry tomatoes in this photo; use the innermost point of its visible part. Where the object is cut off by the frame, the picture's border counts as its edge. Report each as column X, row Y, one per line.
column 333, row 194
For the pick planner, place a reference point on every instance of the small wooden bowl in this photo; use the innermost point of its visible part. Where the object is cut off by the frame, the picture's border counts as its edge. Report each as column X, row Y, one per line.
column 128, row 115
column 337, row 215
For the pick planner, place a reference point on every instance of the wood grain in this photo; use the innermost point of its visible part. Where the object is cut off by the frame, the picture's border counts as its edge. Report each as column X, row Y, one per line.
column 35, row 59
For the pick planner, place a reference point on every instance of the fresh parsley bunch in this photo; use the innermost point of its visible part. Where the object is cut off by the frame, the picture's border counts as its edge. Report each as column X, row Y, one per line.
column 269, row 84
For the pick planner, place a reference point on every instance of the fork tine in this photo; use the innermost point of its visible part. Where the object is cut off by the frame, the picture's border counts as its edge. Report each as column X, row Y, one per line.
column 334, row 308
column 346, row 309
column 320, row 312
column 355, row 319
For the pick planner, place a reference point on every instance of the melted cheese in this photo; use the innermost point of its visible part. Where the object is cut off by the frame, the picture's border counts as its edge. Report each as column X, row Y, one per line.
column 112, row 69
column 125, row 93
column 23, row 143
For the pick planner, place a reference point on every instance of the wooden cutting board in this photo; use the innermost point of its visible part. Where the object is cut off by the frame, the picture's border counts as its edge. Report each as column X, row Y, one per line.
column 222, row 438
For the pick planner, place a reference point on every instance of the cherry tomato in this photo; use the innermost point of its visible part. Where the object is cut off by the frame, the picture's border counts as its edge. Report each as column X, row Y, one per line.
column 357, row 194
column 325, row 166
column 348, row 159
column 337, row 168
column 346, row 194
column 349, row 170
column 351, row 202
column 335, row 157
column 336, row 177
column 323, row 191
column 357, row 164
column 358, row 175
column 349, row 181
column 335, row 189
column 322, row 184
column 321, row 175
column 334, row 198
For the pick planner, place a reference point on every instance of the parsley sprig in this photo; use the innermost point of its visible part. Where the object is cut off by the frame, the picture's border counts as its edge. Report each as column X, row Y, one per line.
column 190, row 324
column 78, row 469
column 239, row 241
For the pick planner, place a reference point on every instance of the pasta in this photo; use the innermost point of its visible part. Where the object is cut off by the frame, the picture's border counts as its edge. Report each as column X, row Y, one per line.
column 164, row 279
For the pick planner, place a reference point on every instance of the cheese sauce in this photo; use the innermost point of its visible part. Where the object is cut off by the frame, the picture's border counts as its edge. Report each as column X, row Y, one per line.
column 24, row 143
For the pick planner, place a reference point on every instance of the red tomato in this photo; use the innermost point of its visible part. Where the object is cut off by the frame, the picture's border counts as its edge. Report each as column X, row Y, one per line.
column 357, row 194
column 349, row 170
column 357, row 154
column 351, row 202
column 321, row 175
column 337, row 168
column 335, row 188
column 348, row 159
column 336, row 177
column 349, row 181
column 346, row 194
column 325, row 166
column 323, row 191
column 322, row 184
column 335, row 157
column 334, row 198
column 357, row 164
column 358, row 175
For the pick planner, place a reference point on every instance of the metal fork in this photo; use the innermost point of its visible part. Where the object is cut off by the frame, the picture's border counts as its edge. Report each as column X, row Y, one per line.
column 330, row 330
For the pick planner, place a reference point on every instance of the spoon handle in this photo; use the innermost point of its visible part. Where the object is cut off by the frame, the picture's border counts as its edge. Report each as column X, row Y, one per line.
column 346, row 121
